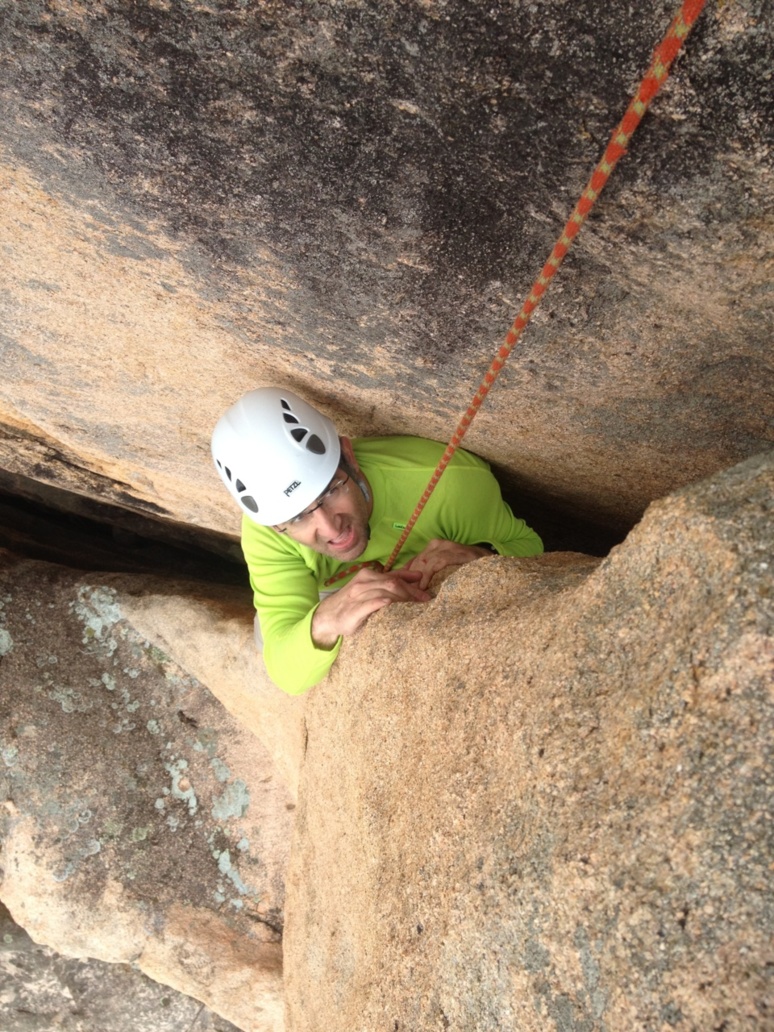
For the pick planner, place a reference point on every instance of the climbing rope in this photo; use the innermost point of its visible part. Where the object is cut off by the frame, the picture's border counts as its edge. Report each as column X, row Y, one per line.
column 653, row 80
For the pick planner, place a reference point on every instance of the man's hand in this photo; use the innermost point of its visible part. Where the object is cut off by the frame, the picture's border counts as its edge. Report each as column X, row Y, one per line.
column 438, row 554
column 346, row 610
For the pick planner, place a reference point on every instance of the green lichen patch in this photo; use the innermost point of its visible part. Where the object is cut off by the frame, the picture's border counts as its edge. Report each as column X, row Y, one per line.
column 6, row 642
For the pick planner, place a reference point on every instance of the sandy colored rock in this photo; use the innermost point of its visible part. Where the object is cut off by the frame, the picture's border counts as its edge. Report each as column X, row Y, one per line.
column 544, row 800
column 141, row 823
column 354, row 198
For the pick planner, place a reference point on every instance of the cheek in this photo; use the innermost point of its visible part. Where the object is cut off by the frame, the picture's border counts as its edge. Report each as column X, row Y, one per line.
column 361, row 514
column 304, row 536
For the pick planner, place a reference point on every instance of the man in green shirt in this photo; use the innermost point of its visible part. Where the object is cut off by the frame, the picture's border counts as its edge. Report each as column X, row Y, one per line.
column 318, row 509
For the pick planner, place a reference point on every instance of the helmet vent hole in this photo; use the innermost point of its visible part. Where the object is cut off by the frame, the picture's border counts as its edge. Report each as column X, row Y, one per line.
column 227, row 471
column 288, row 418
column 315, row 445
column 298, row 434
column 220, row 464
column 285, row 405
column 239, row 486
column 250, row 503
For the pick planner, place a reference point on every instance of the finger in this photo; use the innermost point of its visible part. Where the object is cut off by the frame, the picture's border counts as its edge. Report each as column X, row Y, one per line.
column 419, row 594
column 368, row 607
column 406, row 574
column 427, row 576
column 407, row 591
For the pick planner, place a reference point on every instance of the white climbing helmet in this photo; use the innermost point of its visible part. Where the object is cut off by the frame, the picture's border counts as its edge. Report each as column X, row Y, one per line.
column 275, row 454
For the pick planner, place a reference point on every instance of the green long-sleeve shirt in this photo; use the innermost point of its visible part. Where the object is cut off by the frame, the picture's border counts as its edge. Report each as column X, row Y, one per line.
column 287, row 577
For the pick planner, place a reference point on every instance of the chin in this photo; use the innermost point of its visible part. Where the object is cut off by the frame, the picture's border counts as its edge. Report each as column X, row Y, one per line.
column 352, row 554
column 355, row 552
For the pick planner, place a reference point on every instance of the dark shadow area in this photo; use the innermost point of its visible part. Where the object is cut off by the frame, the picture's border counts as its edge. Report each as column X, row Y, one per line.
column 58, row 527
column 562, row 531
column 87, row 535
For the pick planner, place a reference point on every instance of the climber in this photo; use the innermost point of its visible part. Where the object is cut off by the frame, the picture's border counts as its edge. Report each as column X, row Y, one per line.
column 313, row 503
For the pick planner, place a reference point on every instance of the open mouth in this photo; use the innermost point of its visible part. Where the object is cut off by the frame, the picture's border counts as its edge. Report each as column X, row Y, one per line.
column 344, row 541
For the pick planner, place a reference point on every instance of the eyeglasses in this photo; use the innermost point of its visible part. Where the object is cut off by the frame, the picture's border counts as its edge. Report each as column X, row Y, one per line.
column 302, row 517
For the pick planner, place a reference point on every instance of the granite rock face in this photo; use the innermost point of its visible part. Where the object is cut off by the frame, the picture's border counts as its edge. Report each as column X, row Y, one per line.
column 141, row 824
column 543, row 801
column 355, row 198
column 543, row 798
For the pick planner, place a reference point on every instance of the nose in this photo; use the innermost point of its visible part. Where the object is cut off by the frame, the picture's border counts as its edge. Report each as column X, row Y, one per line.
column 326, row 522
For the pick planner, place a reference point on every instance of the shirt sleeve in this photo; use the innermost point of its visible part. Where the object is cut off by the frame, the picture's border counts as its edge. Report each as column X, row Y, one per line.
column 472, row 511
column 286, row 597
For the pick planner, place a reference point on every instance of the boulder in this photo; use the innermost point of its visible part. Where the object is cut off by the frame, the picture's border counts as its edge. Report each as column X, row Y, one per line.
column 544, row 799
column 42, row 990
column 141, row 823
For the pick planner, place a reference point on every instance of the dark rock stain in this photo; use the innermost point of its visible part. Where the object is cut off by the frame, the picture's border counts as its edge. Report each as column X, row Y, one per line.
column 331, row 133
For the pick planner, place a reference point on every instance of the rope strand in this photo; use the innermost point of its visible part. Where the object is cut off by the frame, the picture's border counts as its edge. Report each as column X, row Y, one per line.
column 651, row 83
column 653, row 80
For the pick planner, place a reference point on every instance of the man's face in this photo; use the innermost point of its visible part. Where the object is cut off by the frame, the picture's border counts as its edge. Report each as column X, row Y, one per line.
column 339, row 526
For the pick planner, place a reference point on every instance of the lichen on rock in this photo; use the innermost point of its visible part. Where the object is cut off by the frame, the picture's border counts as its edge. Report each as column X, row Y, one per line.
column 129, row 827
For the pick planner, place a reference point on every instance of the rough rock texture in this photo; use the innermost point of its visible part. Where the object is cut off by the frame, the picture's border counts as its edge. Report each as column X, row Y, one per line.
column 356, row 196
column 208, row 631
column 544, row 800
column 41, row 991
column 141, row 824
